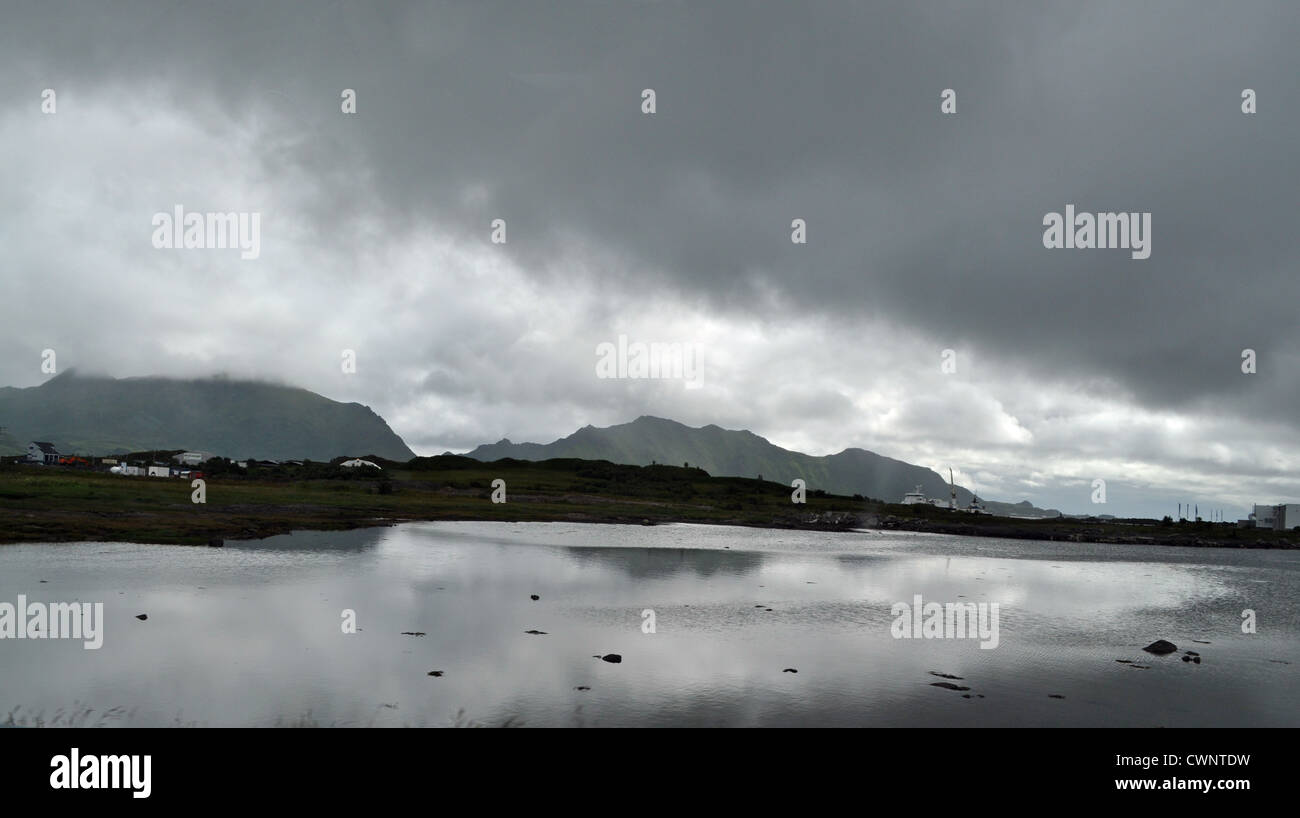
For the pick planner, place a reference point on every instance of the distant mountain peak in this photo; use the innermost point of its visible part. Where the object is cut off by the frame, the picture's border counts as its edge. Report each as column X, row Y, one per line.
column 66, row 375
column 737, row 453
column 98, row 414
column 654, row 419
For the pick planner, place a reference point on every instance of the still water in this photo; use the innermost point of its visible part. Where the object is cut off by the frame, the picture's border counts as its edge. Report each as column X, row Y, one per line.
column 252, row 634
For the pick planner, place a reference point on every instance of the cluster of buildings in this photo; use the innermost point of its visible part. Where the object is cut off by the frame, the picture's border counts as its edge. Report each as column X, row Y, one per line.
column 44, row 453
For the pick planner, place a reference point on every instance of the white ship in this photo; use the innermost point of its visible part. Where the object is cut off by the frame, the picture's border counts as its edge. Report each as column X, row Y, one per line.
column 914, row 497
column 918, row 497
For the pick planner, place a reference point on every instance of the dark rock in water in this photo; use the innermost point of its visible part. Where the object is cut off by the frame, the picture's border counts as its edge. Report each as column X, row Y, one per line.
column 1202, row 641
column 1055, row 696
column 1140, row 667
column 979, row 695
column 944, row 675
column 142, row 617
column 767, row 609
column 965, row 695
column 435, row 673
column 216, row 542
column 44, row 581
column 789, row 670
column 412, row 633
column 1160, row 647
column 1279, row 661
column 1125, row 661
column 1191, row 653
column 948, row 686
column 536, row 633
column 1196, row 660
column 612, row 658
column 1187, row 658
column 534, row 597
column 582, row 687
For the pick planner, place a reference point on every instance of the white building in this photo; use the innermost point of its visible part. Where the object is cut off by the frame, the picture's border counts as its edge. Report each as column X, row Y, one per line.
column 1286, row 516
column 41, row 452
column 159, row 471
column 192, row 458
column 358, row 462
column 1282, row 517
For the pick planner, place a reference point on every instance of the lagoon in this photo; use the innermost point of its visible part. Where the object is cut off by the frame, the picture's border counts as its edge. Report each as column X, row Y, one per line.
column 751, row 627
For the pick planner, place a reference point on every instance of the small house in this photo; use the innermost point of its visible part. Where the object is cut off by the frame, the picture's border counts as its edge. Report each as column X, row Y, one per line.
column 42, row 452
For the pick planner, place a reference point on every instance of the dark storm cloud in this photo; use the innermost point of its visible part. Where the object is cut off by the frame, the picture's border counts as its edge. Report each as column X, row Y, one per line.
column 828, row 112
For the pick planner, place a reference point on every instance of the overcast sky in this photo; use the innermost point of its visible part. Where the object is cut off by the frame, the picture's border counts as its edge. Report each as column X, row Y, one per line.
column 924, row 229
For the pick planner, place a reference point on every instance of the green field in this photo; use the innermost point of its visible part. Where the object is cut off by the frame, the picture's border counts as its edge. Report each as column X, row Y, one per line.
column 39, row 504
column 52, row 504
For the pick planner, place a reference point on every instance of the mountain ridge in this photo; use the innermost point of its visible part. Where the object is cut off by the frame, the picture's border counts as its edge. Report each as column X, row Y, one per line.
column 742, row 453
column 99, row 415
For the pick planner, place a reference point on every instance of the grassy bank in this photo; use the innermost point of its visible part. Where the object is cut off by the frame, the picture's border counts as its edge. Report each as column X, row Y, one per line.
column 1131, row 532
column 58, row 505
column 48, row 504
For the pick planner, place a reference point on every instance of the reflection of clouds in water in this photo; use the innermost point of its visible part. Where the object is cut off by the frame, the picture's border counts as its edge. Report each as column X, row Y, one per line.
column 262, row 639
column 1055, row 588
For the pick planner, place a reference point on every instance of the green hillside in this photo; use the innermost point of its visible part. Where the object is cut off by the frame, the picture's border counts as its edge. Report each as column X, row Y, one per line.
column 10, row 445
column 98, row 416
column 726, row 452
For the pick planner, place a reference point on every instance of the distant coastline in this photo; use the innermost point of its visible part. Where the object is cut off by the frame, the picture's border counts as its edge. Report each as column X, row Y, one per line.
column 54, row 504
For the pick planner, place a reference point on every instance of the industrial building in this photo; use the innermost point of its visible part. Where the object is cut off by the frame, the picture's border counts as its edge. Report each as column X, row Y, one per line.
column 1282, row 517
